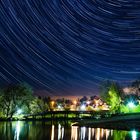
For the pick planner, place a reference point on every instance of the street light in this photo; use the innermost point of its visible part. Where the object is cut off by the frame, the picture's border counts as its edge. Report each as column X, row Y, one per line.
column 19, row 111
column 83, row 107
column 59, row 107
column 88, row 102
column 52, row 103
column 75, row 102
column 131, row 105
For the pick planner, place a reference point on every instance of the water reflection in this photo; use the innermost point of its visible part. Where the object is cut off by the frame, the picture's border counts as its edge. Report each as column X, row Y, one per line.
column 74, row 133
column 60, row 132
column 21, row 130
column 134, row 135
column 52, row 134
column 17, row 131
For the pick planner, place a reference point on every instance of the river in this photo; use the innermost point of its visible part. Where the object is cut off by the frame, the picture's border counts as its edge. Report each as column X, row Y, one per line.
column 39, row 130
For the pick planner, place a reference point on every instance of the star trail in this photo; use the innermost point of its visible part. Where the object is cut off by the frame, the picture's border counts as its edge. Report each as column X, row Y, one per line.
column 69, row 46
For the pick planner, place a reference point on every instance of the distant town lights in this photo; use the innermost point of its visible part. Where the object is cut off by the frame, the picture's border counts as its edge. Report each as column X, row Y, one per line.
column 59, row 107
column 83, row 107
column 88, row 102
column 75, row 102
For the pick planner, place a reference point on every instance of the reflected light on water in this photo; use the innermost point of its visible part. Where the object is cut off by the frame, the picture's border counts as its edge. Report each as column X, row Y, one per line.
column 74, row 133
column 83, row 133
column 102, row 132
column 17, row 131
column 134, row 135
column 107, row 134
column 89, row 133
column 60, row 132
column 92, row 132
column 52, row 135
column 111, row 132
column 21, row 130
column 97, row 134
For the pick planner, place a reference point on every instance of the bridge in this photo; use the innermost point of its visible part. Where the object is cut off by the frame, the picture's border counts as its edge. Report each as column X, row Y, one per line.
column 54, row 115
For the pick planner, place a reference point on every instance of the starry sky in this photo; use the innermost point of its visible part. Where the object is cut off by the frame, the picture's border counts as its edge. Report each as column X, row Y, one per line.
column 69, row 47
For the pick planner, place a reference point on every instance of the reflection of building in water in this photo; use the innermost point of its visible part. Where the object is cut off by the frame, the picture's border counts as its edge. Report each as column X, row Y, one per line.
column 101, row 133
column 60, row 132
column 52, row 133
column 74, row 133
column 90, row 133
column 83, row 133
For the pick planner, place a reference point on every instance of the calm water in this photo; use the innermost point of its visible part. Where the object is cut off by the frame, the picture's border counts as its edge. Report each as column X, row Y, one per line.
column 21, row 130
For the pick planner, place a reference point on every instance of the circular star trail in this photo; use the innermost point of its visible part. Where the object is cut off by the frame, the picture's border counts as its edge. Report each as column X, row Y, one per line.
column 69, row 46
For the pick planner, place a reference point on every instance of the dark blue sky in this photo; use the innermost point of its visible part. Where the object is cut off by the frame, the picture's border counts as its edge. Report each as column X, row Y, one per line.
column 69, row 47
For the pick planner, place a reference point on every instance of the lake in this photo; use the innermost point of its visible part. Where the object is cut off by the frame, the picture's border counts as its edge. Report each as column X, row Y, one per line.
column 39, row 130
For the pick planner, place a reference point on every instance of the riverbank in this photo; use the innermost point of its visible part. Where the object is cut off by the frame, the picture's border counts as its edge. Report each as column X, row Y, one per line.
column 112, row 121
column 120, row 122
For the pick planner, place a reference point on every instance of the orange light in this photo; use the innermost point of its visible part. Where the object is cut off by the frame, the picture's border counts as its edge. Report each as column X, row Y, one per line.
column 75, row 102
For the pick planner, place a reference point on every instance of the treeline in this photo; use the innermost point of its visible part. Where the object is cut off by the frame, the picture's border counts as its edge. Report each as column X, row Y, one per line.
column 19, row 99
column 120, row 99
column 15, row 99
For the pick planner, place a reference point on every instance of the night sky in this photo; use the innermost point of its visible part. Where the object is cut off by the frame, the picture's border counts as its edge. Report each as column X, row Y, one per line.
column 69, row 47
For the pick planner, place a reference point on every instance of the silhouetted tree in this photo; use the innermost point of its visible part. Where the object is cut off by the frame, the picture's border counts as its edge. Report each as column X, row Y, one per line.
column 14, row 97
column 83, row 99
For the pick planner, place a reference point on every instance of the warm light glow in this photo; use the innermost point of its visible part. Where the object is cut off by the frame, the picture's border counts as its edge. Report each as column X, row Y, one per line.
column 97, row 134
column 52, row 134
column 127, row 90
column 52, row 102
column 89, row 133
column 107, row 134
column 75, row 102
column 74, row 133
column 88, row 102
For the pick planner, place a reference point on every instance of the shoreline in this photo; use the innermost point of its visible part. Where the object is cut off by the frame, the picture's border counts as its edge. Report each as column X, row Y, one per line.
column 119, row 123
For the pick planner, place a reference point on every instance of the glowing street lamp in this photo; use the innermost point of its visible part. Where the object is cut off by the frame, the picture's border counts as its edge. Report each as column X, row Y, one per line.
column 83, row 107
column 59, row 107
column 75, row 102
column 52, row 103
column 88, row 102
column 19, row 111
column 131, row 105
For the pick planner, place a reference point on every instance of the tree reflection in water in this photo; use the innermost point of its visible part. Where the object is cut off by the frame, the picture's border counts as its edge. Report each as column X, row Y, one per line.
column 37, row 130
